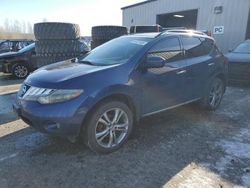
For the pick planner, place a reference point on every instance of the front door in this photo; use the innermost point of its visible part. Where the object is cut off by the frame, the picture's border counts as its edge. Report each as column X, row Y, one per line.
column 164, row 87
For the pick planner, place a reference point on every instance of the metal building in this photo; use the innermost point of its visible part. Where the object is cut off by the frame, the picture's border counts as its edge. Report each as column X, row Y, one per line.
column 228, row 20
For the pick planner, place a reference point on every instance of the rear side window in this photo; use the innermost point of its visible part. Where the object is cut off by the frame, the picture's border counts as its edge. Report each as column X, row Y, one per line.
column 207, row 44
column 168, row 49
column 195, row 47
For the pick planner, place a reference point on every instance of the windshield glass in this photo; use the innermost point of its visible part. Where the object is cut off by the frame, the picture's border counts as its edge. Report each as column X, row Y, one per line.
column 27, row 48
column 243, row 48
column 116, row 51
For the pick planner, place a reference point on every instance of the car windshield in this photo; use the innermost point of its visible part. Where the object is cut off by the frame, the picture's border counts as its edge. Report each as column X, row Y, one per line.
column 243, row 48
column 27, row 48
column 116, row 51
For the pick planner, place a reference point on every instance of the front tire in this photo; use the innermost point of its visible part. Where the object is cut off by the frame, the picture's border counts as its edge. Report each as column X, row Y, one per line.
column 20, row 71
column 213, row 95
column 109, row 127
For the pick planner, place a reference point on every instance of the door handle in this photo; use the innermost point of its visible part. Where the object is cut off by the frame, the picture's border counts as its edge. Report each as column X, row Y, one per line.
column 181, row 72
column 210, row 64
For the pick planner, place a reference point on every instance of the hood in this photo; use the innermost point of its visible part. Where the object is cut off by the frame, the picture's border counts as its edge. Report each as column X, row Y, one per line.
column 58, row 73
column 237, row 57
column 8, row 54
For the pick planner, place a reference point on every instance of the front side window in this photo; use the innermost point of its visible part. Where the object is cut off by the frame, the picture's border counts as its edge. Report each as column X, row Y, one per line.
column 207, row 44
column 28, row 48
column 116, row 51
column 169, row 49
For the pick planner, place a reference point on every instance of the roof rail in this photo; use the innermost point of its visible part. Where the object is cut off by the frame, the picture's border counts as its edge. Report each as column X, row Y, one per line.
column 188, row 31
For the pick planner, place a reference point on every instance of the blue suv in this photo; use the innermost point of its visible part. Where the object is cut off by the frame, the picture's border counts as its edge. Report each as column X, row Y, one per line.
column 100, row 96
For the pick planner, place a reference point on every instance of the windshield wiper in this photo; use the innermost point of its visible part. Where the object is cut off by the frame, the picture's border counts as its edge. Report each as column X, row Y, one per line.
column 87, row 62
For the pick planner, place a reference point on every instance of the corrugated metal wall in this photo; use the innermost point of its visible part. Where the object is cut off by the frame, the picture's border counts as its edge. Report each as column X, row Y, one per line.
column 234, row 17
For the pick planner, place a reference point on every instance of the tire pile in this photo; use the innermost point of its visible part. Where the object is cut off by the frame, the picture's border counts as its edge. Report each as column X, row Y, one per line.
column 145, row 29
column 56, row 42
column 102, row 34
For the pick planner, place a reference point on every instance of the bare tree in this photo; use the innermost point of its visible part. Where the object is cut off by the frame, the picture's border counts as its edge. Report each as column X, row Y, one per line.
column 23, row 27
column 16, row 27
column 1, row 29
column 29, row 28
column 7, row 25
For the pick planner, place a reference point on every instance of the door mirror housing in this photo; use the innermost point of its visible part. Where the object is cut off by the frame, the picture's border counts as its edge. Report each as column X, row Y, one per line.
column 154, row 62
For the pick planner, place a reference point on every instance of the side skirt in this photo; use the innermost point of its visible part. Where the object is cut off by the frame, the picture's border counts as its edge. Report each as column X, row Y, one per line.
column 169, row 108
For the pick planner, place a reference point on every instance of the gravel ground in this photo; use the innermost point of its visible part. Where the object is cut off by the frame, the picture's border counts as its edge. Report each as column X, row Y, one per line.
column 184, row 147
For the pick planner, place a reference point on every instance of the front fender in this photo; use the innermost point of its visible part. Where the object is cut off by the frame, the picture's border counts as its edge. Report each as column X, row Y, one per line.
column 123, row 90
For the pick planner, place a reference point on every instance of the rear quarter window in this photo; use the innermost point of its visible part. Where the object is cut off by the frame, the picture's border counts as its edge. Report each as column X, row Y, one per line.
column 169, row 49
column 195, row 46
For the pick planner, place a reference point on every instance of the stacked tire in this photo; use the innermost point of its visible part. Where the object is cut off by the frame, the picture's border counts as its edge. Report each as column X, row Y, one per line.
column 145, row 29
column 102, row 34
column 56, row 42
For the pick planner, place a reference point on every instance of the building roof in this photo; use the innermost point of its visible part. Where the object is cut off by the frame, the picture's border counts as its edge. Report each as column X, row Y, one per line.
column 137, row 4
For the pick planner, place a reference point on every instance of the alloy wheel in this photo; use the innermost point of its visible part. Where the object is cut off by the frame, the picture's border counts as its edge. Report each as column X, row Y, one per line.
column 216, row 93
column 111, row 128
column 21, row 71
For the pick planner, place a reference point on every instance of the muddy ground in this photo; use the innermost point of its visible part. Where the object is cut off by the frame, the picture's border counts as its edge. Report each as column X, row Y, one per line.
column 184, row 147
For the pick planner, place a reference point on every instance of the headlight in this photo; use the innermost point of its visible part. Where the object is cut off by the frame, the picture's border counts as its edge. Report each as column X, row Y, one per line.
column 60, row 96
column 49, row 96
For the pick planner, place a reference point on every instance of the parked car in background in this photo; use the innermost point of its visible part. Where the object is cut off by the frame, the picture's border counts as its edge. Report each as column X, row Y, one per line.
column 13, row 45
column 100, row 96
column 239, row 63
column 19, row 63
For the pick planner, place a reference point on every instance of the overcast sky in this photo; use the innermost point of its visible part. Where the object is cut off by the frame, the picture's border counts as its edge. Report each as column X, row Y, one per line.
column 86, row 13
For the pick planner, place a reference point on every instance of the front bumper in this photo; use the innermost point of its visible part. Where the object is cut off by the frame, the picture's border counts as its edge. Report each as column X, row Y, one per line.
column 61, row 119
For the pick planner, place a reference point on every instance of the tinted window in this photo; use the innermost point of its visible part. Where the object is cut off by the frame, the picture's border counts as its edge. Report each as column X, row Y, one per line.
column 28, row 48
column 195, row 47
column 208, row 45
column 168, row 49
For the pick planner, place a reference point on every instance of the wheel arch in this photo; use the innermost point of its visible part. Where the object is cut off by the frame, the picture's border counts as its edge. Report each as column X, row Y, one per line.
column 223, row 78
column 114, row 96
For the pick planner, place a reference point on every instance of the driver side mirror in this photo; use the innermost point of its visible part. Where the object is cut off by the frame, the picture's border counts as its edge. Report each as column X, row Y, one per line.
column 154, row 62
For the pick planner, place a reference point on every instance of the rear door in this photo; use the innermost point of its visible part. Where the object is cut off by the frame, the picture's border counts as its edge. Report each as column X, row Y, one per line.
column 164, row 87
column 200, row 64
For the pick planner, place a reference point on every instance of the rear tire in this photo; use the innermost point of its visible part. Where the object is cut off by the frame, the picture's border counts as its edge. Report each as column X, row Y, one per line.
column 109, row 126
column 213, row 94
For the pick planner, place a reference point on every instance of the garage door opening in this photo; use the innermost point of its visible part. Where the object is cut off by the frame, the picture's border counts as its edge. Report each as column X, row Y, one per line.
column 187, row 19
